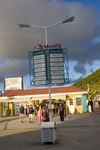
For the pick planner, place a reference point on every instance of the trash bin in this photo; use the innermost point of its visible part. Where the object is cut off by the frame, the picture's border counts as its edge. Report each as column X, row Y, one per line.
column 48, row 132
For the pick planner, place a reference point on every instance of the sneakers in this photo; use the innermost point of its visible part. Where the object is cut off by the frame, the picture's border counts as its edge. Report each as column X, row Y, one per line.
column 22, row 121
column 30, row 121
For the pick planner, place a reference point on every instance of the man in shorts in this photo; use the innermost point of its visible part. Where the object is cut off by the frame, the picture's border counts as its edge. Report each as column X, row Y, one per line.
column 21, row 113
column 31, row 113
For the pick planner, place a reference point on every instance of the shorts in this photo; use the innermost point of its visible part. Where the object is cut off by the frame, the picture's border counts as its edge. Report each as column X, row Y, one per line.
column 30, row 115
column 21, row 114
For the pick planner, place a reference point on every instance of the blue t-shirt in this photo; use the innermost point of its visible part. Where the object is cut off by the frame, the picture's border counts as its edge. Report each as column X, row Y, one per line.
column 22, row 109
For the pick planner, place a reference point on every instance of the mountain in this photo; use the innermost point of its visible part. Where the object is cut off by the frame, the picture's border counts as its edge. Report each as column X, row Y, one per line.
column 94, row 84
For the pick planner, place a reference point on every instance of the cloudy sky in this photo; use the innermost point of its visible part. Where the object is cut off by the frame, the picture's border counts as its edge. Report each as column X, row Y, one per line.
column 82, row 35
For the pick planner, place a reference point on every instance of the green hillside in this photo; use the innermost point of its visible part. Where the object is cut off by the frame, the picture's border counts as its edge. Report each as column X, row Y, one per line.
column 94, row 83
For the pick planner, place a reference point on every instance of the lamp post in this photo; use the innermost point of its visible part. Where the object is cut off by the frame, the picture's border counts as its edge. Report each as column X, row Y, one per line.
column 22, row 25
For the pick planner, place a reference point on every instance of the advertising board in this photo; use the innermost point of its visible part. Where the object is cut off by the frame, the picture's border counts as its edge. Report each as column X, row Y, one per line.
column 50, row 66
column 13, row 83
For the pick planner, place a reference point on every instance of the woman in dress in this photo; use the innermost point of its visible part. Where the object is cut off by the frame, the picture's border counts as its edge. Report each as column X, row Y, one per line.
column 40, row 115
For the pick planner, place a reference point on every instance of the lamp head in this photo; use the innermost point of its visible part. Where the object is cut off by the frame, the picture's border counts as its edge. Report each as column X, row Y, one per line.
column 68, row 19
column 23, row 24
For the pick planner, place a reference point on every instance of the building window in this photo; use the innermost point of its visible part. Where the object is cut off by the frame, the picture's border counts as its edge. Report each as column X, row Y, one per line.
column 71, row 101
column 78, row 101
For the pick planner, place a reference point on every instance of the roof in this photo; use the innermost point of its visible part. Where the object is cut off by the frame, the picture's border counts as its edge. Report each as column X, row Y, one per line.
column 70, row 89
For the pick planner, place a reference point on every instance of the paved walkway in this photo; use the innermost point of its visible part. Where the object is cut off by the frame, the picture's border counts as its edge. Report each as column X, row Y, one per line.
column 14, row 124
column 80, row 131
column 96, row 110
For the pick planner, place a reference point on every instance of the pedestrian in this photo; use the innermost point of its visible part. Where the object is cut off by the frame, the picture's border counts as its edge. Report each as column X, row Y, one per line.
column 28, row 113
column 46, row 107
column 40, row 115
column 47, row 116
column 18, row 110
column 34, row 107
column 53, row 109
column 21, row 113
column 31, row 113
column 15, row 110
column 87, row 104
column 64, row 104
column 44, row 114
column 91, row 105
column 99, row 105
column 61, row 112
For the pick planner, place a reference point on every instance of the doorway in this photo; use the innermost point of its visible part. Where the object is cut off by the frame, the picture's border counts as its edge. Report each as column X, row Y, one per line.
column 71, row 105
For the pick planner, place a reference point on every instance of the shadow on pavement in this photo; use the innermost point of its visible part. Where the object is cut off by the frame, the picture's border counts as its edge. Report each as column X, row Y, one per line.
column 8, row 119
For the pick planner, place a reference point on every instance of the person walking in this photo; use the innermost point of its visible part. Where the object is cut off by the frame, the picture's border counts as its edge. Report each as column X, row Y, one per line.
column 91, row 105
column 64, row 104
column 44, row 114
column 21, row 113
column 61, row 111
column 99, row 104
column 40, row 115
column 31, row 113
column 87, row 104
column 45, row 107
column 28, row 113
column 52, row 106
column 34, row 108
column 47, row 116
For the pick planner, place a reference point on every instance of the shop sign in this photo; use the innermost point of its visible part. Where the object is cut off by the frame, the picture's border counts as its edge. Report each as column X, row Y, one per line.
column 39, row 46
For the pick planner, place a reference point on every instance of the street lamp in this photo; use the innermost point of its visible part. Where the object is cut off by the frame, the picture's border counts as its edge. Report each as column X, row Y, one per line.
column 25, row 25
column 22, row 25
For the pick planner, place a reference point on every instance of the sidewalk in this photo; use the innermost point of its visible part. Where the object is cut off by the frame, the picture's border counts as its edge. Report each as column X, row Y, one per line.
column 95, row 111
column 14, row 123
